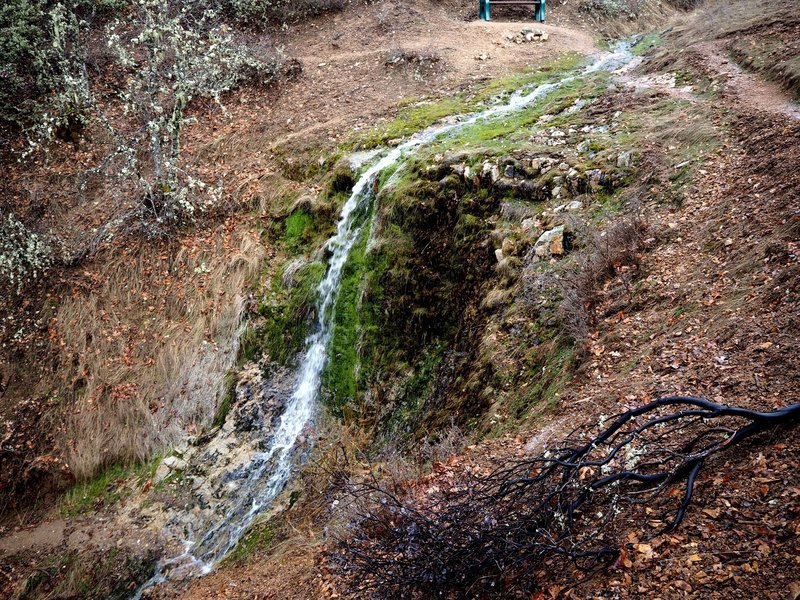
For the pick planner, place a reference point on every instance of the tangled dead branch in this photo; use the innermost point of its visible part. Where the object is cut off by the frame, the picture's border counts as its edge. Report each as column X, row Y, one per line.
column 491, row 536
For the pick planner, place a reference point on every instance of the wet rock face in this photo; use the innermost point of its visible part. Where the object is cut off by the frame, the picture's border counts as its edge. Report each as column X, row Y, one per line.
column 219, row 466
column 260, row 398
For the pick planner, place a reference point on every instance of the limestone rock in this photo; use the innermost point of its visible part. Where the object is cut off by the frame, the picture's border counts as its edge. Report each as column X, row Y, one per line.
column 173, row 463
column 569, row 207
column 596, row 179
column 550, row 243
column 624, row 160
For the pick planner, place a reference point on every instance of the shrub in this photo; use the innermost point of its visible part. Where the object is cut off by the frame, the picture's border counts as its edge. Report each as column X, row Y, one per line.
column 24, row 255
column 21, row 33
column 259, row 12
column 608, row 254
column 173, row 56
column 42, row 47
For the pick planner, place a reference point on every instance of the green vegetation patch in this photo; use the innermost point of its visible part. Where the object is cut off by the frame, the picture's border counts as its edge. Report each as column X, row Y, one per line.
column 417, row 116
column 647, row 43
column 107, row 488
column 298, row 230
column 287, row 316
column 356, row 318
column 260, row 538
column 228, row 393
column 110, row 575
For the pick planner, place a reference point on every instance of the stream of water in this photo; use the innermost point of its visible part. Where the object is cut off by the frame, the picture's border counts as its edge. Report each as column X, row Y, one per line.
column 269, row 471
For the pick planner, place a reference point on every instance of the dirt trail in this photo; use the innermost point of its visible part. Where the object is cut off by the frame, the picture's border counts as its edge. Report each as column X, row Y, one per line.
column 751, row 91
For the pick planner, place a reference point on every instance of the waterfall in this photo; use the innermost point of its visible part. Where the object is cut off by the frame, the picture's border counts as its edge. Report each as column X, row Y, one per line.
column 269, row 471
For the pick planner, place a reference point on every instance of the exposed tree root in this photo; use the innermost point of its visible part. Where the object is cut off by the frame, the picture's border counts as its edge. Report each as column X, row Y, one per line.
column 490, row 536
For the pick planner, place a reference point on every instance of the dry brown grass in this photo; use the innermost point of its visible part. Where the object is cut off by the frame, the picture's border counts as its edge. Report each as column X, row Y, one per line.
column 720, row 18
column 145, row 353
column 613, row 253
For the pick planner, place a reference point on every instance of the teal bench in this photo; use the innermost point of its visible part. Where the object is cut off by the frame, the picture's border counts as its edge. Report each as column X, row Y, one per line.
column 485, row 7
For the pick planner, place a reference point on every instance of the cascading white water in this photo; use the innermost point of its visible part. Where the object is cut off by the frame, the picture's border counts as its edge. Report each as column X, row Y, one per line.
column 270, row 470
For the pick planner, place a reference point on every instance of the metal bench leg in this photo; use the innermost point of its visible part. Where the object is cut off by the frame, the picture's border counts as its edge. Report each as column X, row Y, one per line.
column 485, row 10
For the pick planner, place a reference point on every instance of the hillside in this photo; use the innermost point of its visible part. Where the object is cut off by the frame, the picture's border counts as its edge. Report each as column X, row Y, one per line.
column 407, row 255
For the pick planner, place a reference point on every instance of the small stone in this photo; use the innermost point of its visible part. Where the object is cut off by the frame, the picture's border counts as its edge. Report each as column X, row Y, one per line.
column 572, row 174
column 556, row 191
column 624, row 160
column 495, row 173
column 573, row 206
column 528, row 224
column 569, row 207
column 174, row 463
column 510, row 171
column 498, row 254
column 544, row 37
column 161, row 473
column 563, row 166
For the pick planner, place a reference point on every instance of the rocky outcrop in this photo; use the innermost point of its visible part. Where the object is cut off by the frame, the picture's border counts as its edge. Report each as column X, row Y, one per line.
column 550, row 243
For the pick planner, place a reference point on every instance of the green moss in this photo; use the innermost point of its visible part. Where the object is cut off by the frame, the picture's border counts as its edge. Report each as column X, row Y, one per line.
column 647, row 43
column 550, row 372
column 287, row 318
column 503, row 133
column 356, row 325
column 260, row 538
column 424, row 113
column 339, row 378
column 298, row 230
column 552, row 71
column 414, row 118
column 229, row 389
column 415, row 392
